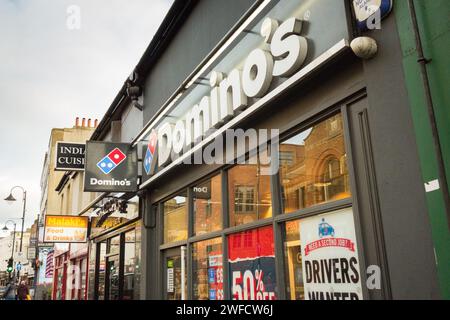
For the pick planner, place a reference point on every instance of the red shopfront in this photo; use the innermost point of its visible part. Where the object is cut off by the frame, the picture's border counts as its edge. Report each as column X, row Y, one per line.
column 60, row 277
column 77, row 272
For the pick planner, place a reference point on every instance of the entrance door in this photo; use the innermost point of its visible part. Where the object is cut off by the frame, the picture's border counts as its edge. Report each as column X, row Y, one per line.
column 112, row 279
column 175, row 284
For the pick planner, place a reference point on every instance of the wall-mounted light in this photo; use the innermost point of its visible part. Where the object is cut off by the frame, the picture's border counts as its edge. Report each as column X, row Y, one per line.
column 134, row 92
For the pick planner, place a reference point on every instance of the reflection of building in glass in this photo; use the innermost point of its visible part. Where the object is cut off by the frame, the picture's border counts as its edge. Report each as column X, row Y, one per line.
column 175, row 219
column 207, row 206
column 249, row 192
column 207, row 270
column 314, row 166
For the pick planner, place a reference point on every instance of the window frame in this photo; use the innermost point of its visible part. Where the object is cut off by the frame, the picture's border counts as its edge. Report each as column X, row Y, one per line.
column 278, row 218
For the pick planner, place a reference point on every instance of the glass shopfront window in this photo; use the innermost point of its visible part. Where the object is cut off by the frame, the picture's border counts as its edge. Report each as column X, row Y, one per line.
column 208, row 206
column 101, row 271
column 114, row 245
column 175, row 273
column 129, row 265
column 82, row 286
column 313, row 166
column 137, row 269
column 313, row 170
column 249, row 192
column 293, row 261
column 207, row 270
column 175, row 218
column 91, row 274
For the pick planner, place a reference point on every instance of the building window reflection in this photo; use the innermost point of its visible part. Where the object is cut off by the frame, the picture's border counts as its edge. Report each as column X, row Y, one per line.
column 208, row 206
column 175, row 218
column 313, row 166
column 249, row 192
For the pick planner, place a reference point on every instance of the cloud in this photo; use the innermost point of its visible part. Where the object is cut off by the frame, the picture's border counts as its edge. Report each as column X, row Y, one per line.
column 49, row 75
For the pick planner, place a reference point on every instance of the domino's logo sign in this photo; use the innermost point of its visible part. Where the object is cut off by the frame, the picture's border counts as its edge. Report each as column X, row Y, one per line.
column 115, row 172
column 150, row 152
column 111, row 161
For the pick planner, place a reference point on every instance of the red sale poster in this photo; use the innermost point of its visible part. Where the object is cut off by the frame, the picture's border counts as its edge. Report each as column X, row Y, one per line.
column 251, row 256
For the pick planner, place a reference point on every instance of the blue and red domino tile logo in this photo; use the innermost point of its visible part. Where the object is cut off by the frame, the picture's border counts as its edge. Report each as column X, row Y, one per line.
column 149, row 154
column 111, row 161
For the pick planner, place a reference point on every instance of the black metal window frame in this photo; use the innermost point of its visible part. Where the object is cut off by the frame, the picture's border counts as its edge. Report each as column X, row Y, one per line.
column 278, row 218
column 121, row 254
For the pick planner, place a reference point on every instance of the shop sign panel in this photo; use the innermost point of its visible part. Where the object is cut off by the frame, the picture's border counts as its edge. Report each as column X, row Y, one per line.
column 252, row 265
column 110, row 167
column 65, row 229
column 69, row 156
column 285, row 41
column 330, row 263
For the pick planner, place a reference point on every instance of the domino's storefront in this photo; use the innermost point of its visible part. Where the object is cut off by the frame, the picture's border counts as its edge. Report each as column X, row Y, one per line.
column 276, row 167
column 269, row 159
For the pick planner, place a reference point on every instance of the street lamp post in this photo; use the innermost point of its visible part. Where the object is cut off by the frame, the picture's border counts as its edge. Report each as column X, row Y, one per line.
column 10, row 199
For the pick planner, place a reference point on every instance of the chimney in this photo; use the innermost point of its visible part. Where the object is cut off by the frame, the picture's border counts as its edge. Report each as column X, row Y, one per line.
column 95, row 123
column 77, row 121
column 89, row 123
column 83, row 122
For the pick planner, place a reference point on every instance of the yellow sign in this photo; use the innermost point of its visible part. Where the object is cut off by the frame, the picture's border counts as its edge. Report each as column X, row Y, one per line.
column 65, row 229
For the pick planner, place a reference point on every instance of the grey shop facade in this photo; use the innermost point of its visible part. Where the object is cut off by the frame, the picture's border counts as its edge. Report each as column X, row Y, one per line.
column 327, row 209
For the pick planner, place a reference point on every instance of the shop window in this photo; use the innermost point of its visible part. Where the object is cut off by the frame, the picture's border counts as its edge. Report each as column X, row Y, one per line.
column 101, row 271
column 114, row 245
column 83, row 269
column 175, row 272
column 208, row 206
column 207, row 270
column 137, row 268
column 91, row 274
column 249, row 192
column 317, row 172
column 293, row 261
column 129, row 265
column 251, row 258
column 175, row 218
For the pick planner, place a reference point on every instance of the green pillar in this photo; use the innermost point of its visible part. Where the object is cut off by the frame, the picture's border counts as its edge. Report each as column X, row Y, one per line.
column 434, row 24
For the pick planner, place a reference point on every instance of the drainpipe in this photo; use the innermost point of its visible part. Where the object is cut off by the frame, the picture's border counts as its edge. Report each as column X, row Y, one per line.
column 430, row 108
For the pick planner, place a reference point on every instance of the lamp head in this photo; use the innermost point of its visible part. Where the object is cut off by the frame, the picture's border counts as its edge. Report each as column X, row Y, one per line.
column 10, row 199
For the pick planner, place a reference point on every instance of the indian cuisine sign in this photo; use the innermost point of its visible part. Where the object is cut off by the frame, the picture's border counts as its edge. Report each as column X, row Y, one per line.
column 69, row 156
column 330, row 261
column 65, row 229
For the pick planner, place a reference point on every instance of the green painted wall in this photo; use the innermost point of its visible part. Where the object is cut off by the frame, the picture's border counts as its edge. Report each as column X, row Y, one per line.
column 434, row 21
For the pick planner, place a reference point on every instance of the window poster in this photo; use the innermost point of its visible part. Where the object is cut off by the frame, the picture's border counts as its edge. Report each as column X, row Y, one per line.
column 215, row 276
column 330, row 262
column 251, row 256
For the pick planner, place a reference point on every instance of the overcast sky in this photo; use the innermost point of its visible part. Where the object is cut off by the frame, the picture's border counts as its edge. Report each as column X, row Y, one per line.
column 52, row 72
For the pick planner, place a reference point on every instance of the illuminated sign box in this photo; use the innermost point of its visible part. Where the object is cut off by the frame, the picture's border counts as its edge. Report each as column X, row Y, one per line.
column 110, row 167
column 70, row 229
